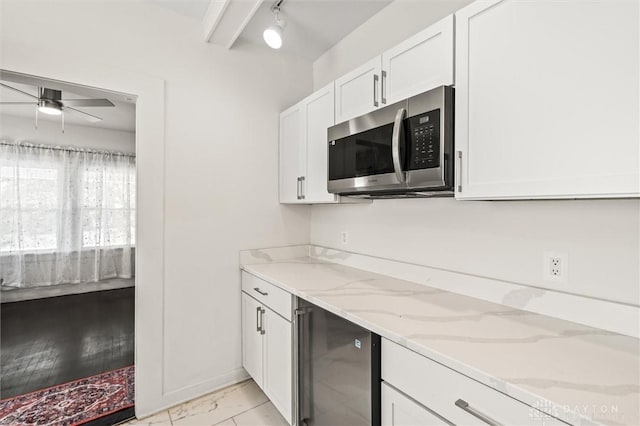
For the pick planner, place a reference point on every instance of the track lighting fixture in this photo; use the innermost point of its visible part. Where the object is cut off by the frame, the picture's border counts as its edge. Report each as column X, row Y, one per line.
column 274, row 34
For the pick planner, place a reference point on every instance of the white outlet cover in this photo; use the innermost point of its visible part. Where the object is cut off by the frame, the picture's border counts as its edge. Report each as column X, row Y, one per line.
column 563, row 278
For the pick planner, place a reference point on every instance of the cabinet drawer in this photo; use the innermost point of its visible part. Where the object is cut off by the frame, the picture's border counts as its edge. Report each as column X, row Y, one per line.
column 400, row 410
column 439, row 387
column 267, row 293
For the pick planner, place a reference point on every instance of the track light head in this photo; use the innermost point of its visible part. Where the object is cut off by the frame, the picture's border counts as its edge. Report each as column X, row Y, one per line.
column 274, row 34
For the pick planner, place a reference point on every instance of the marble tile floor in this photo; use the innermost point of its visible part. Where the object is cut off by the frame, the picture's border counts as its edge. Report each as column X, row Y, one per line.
column 243, row 404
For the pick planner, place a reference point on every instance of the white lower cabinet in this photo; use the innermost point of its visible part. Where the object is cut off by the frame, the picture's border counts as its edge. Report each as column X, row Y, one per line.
column 277, row 361
column 251, row 338
column 453, row 396
column 400, row 410
column 267, row 349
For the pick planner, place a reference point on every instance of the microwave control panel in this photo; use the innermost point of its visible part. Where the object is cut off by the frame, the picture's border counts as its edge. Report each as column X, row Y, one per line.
column 424, row 141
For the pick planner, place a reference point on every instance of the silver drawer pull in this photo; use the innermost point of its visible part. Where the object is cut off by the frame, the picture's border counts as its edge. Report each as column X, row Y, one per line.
column 461, row 403
column 264, row 293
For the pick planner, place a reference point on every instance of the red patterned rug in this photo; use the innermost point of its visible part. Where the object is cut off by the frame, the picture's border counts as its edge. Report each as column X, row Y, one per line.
column 71, row 403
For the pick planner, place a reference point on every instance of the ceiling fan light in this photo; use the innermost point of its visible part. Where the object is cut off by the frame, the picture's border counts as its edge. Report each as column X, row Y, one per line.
column 49, row 107
column 273, row 36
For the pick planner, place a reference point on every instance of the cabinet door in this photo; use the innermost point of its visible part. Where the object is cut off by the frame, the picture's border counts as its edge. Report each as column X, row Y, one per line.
column 358, row 92
column 400, row 410
column 319, row 110
column 547, row 99
column 292, row 153
column 277, row 362
column 251, row 338
column 418, row 64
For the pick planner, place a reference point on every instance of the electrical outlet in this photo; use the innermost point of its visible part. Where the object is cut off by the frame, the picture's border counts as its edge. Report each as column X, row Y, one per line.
column 344, row 237
column 555, row 267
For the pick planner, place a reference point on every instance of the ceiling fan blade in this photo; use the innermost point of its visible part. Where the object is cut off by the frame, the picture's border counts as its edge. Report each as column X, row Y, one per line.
column 18, row 103
column 19, row 91
column 87, row 102
column 85, row 115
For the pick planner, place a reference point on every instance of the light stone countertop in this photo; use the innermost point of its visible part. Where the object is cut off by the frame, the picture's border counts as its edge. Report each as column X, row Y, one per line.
column 561, row 367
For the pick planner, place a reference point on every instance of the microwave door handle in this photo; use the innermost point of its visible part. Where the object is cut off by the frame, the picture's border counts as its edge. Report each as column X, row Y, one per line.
column 395, row 144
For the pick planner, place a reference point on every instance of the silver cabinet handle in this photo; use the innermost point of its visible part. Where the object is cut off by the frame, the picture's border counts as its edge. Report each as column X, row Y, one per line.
column 262, row 330
column 258, row 325
column 383, row 90
column 264, row 293
column 298, row 188
column 395, row 144
column 302, row 196
column 475, row 413
column 375, row 90
column 459, row 169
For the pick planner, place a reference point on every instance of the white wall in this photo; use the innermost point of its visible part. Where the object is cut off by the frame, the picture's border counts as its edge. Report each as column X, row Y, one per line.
column 21, row 128
column 220, row 168
column 393, row 24
column 500, row 240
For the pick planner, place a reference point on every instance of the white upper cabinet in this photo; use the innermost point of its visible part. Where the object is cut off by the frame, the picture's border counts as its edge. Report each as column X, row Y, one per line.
column 358, row 92
column 319, row 110
column 547, row 99
column 421, row 63
column 416, row 65
column 293, row 153
column 303, row 149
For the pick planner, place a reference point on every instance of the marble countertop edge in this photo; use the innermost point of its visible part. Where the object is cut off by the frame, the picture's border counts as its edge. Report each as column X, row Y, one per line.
column 499, row 384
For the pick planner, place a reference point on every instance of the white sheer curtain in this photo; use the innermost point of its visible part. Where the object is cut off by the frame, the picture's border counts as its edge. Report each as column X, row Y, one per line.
column 66, row 215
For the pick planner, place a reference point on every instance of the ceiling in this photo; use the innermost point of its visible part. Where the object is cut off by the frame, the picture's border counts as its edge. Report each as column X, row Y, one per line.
column 189, row 8
column 312, row 26
column 120, row 117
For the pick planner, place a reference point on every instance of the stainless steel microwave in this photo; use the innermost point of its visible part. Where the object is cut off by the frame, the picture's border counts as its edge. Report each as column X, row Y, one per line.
column 402, row 150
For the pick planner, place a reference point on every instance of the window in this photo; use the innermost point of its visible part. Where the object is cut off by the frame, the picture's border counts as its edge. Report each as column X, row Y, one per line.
column 108, row 206
column 66, row 215
column 29, row 200
column 65, row 200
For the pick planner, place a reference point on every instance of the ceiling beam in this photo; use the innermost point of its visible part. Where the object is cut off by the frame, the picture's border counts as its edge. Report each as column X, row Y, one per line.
column 225, row 20
column 212, row 17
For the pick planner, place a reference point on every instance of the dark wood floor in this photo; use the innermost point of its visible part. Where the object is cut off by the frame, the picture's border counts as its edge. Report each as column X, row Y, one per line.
column 51, row 341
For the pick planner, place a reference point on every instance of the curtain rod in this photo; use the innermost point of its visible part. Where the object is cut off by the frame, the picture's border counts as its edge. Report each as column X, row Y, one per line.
column 65, row 148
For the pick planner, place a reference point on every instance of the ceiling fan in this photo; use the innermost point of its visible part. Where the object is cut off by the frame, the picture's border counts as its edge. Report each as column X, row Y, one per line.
column 50, row 101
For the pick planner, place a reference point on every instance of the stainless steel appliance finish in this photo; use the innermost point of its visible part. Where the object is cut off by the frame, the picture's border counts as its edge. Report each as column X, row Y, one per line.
column 338, row 370
column 402, row 150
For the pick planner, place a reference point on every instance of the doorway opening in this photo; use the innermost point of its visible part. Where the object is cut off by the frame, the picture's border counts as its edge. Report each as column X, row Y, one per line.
column 67, row 251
